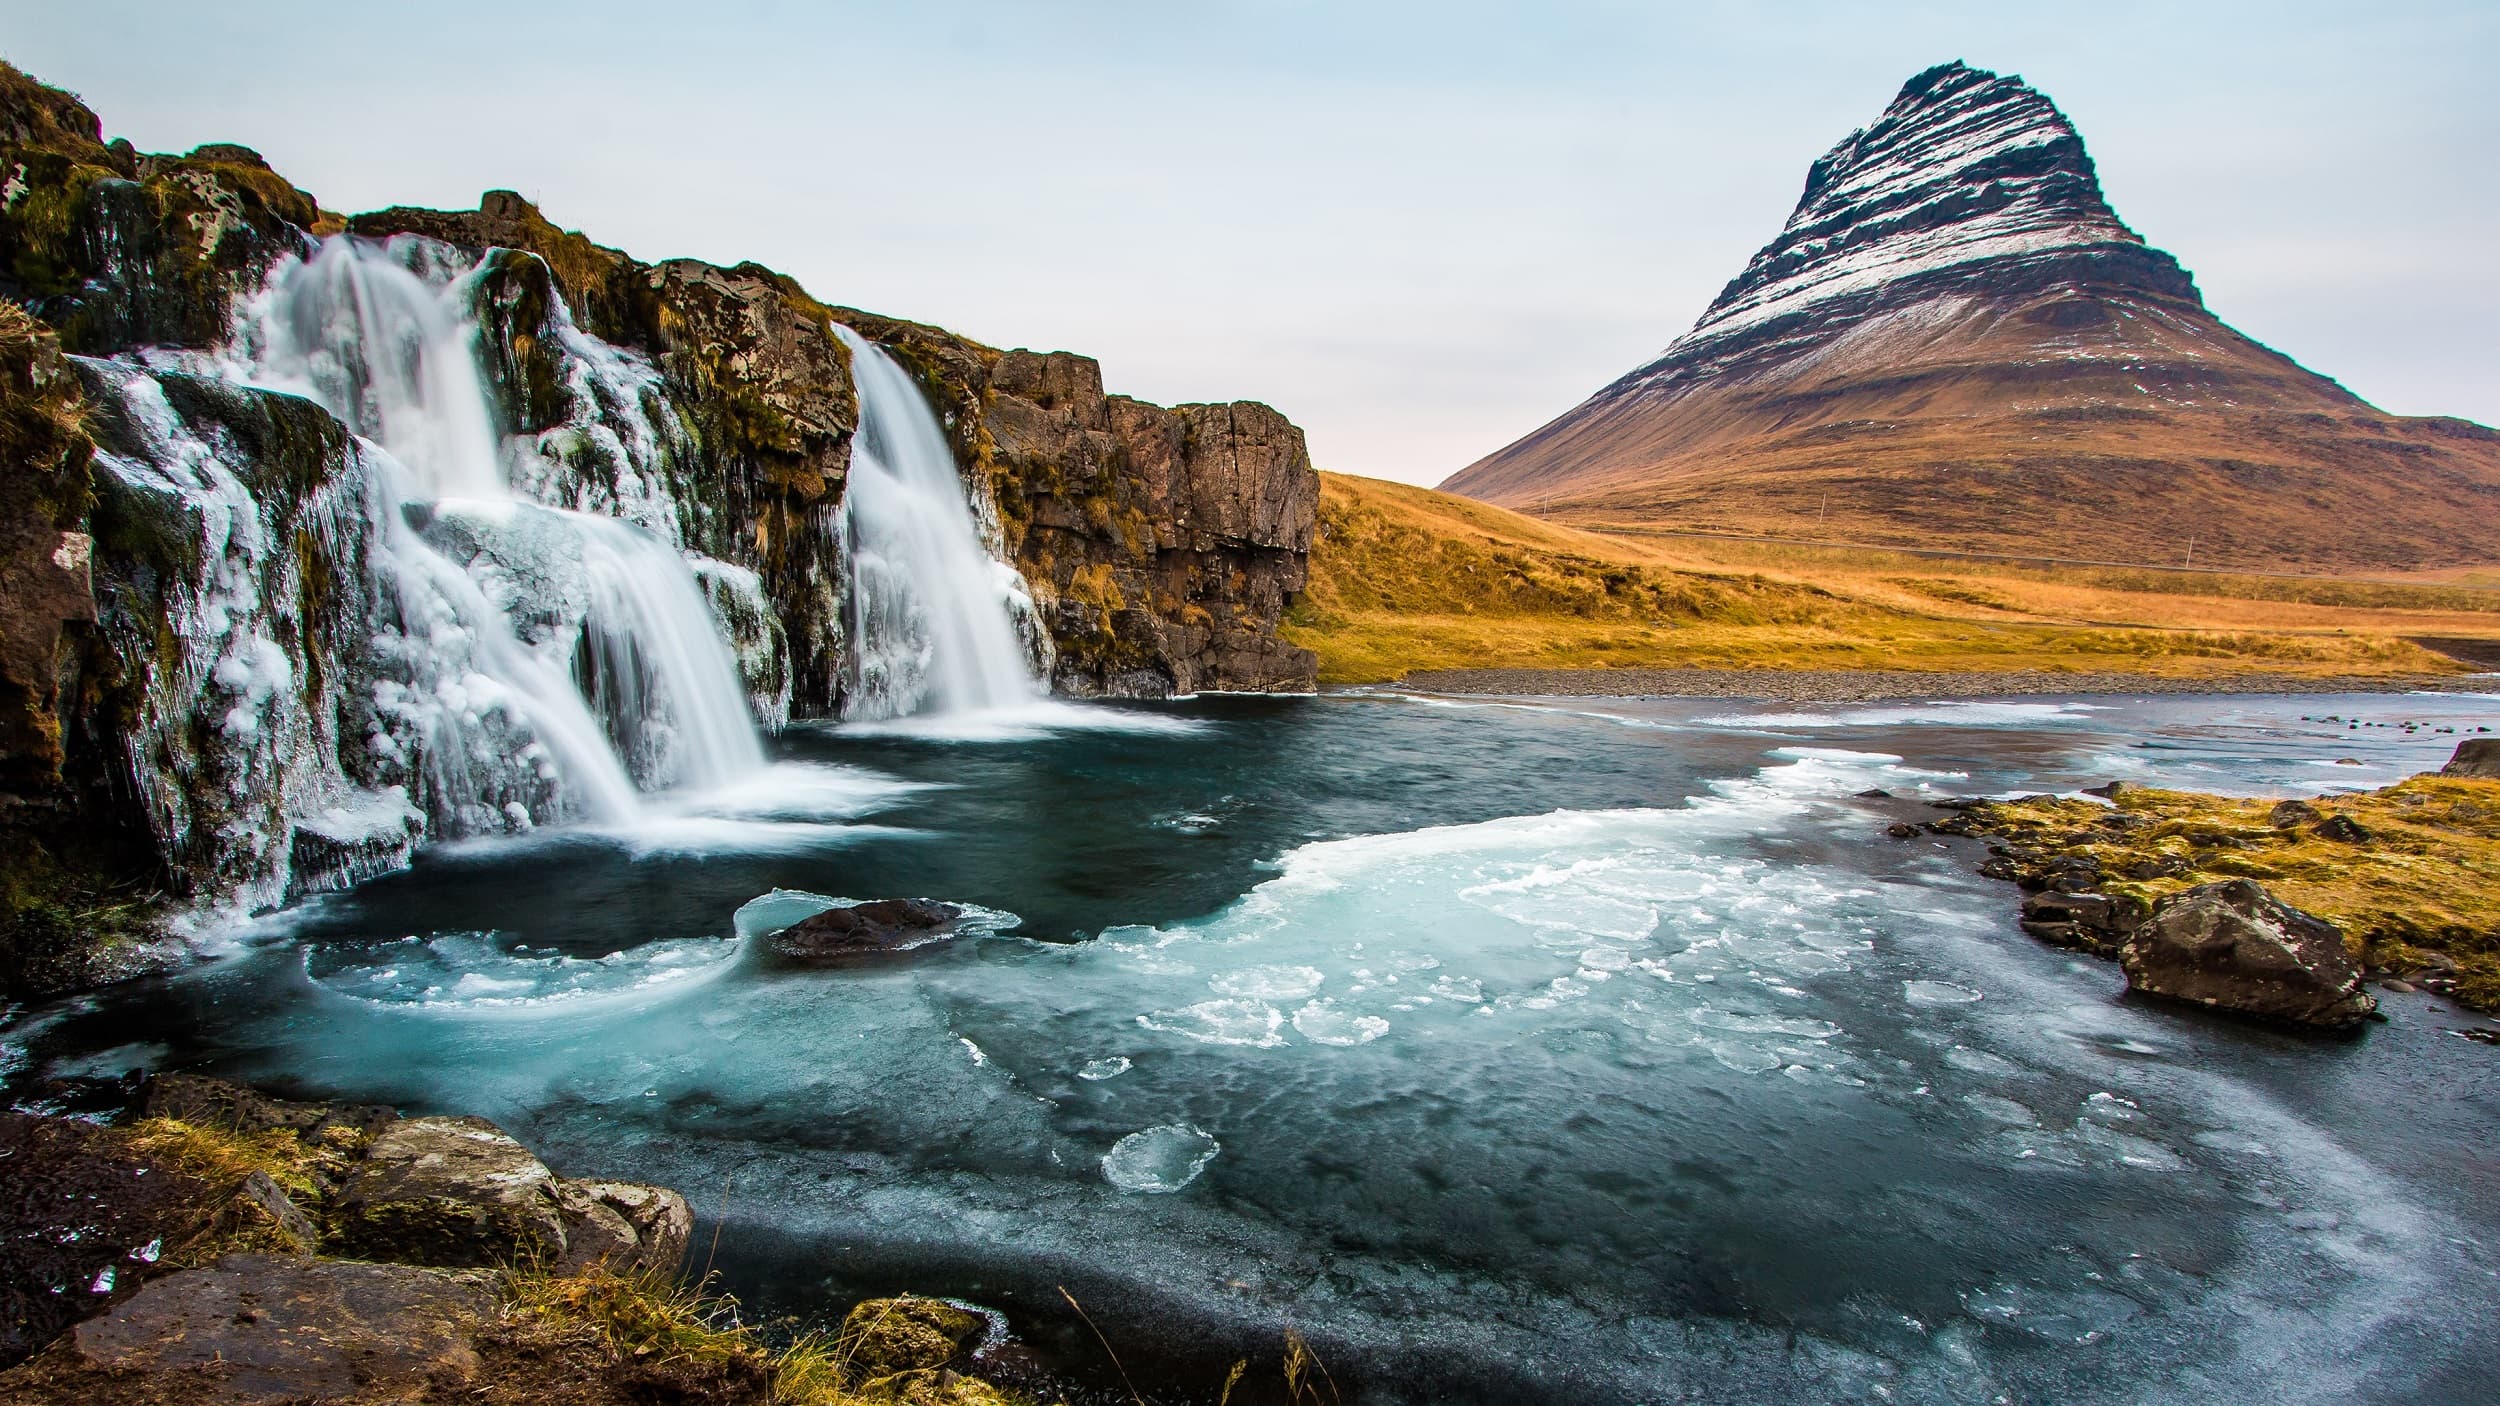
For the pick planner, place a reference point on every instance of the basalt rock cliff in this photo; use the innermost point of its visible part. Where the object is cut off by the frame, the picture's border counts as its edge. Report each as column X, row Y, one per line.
column 1955, row 341
column 195, row 702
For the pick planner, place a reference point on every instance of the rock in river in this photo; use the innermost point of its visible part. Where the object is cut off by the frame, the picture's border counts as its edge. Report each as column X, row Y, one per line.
column 2233, row 946
column 865, row 929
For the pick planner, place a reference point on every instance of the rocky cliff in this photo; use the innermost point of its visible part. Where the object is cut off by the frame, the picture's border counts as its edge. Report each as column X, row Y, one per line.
column 1955, row 341
column 216, row 683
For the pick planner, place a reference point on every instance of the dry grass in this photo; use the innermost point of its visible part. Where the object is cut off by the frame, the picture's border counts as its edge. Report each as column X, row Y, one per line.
column 654, row 1320
column 1403, row 578
column 2425, row 878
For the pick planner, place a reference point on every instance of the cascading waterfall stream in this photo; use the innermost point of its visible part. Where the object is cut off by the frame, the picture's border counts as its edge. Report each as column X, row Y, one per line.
column 927, row 609
column 658, row 701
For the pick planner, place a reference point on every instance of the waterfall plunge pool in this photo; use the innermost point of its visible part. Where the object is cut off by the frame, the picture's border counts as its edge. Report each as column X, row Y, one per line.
column 1506, row 1050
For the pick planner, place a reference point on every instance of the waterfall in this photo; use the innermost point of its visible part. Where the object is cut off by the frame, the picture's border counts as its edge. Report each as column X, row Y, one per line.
column 590, row 633
column 927, row 610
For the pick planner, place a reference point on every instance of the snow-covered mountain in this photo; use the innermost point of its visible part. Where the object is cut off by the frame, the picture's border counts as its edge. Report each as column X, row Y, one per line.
column 1955, row 340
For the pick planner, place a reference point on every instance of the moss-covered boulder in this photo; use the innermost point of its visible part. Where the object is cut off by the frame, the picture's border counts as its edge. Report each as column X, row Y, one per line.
column 883, row 1337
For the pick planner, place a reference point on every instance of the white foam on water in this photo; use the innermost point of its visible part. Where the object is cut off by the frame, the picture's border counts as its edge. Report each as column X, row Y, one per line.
column 1938, row 713
column 477, row 974
column 1023, row 722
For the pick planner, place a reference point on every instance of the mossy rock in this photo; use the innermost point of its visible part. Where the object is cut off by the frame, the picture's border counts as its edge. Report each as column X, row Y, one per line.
column 884, row 1337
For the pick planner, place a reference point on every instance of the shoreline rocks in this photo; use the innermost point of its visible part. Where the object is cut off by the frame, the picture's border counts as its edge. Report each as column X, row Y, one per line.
column 2399, row 885
column 142, row 1265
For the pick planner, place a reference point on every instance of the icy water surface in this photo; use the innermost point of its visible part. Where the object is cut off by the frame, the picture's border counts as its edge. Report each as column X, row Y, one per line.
column 1507, row 1050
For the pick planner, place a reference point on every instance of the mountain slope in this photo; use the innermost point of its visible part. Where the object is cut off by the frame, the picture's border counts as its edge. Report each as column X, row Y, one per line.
column 1955, row 341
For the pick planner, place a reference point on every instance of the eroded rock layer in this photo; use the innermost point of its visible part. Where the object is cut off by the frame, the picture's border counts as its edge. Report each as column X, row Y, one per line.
column 1955, row 341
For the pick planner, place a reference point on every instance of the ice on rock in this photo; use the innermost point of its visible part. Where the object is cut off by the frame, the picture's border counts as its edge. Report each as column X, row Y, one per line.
column 1159, row 1160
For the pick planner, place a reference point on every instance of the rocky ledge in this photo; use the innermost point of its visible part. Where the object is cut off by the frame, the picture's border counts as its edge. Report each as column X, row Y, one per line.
column 216, row 1247
column 2277, row 909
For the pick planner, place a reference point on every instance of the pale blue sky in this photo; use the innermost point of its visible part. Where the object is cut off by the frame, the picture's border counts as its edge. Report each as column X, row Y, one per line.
column 1418, row 229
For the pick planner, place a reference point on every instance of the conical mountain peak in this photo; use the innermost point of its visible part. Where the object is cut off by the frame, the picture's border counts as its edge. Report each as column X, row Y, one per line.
column 1955, row 341
column 1964, row 166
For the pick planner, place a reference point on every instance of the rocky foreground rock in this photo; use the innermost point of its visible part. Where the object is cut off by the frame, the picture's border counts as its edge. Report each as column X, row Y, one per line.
column 226, row 1248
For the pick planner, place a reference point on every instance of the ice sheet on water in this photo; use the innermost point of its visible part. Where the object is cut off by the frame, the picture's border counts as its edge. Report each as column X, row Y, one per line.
column 1941, row 713
column 1230, row 1020
column 1324, row 1022
column 480, row 973
column 1098, row 1070
column 1159, row 1160
column 1274, row 981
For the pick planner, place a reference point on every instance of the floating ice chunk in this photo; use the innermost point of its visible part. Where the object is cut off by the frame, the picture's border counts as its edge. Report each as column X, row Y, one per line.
column 1099, row 1069
column 1937, row 993
column 2224, row 1140
column 2110, row 1108
column 1963, row 1057
column 1159, row 1160
column 1230, row 1021
column 2001, row 1110
column 2078, row 1316
column 1324, row 1022
column 1269, row 983
column 1744, row 1059
column 1458, row 988
column 1736, row 1022
column 2127, row 1150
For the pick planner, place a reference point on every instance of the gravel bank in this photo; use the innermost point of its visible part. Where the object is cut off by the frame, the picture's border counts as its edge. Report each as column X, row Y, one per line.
column 1861, row 685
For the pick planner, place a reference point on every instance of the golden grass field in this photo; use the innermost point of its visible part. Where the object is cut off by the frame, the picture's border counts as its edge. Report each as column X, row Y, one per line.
column 1405, row 578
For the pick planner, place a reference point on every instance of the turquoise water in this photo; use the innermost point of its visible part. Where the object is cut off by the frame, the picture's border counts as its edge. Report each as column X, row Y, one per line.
column 1507, row 1050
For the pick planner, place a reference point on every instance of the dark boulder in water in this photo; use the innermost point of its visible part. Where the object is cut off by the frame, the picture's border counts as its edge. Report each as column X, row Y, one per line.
column 865, row 930
column 2234, row 947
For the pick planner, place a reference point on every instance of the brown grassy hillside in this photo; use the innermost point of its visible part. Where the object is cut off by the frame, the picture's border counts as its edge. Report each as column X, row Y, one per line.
column 1405, row 578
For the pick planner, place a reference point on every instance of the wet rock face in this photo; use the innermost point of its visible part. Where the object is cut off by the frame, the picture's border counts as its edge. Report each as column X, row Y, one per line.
column 870, row 929
column 78, row 1218
column 1162, row 545
column 2234, row 947
column 266, row 1329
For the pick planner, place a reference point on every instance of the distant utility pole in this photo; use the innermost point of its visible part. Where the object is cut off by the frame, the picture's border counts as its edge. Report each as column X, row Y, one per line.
column 2190, row 563
column 1822, row 510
